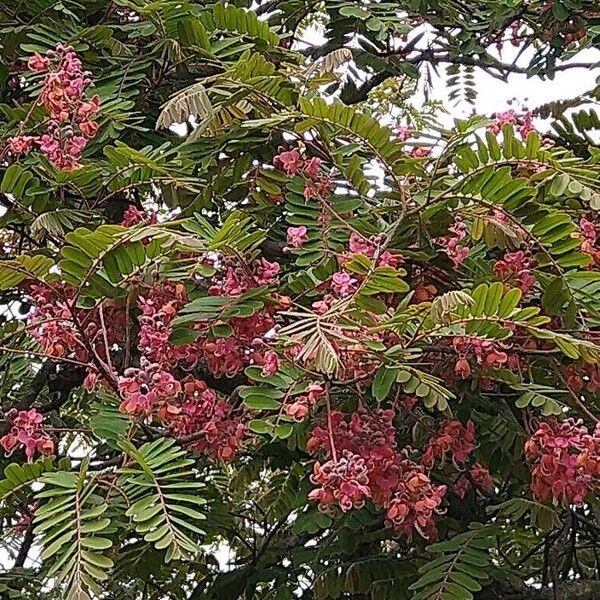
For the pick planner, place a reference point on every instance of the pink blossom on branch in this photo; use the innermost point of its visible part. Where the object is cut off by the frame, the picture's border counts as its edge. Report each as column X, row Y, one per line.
column 27, row 432
column 343, row 283
column 565, row 461
column 70, row 124
column 453, row 245
column 297, row 236
column 453, row 440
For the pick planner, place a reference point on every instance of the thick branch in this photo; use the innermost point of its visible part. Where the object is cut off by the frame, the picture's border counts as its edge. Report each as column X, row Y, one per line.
column 25, row 547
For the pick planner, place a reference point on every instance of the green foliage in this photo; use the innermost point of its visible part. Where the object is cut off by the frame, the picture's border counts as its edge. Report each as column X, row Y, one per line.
column 372, row 576
column 17, row 477
column 73, row 526
column 540, row 397
column 541, row 517
column 199, row 99
column 164, row 501
column 459, row 570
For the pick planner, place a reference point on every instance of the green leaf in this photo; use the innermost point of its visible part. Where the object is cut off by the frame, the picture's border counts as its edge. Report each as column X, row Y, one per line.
column 382, row 382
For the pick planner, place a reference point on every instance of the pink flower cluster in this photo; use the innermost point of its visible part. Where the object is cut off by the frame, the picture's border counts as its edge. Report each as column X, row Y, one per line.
column 370, row 436
column 589, row 237
column 345, row 481
column 514, row 269
column 453, row 440
column 299, row 408
column 27, row 432
column 293, row 163
column 420, row 152
column 133, row 215
column 364, row 462
column 415, row 502
column 368, row 247
column 238, row 279
column 481, row 478
column 565, row 461
column 51, row 323
column 52, row 319
column 158, row 309
column 484, row 351
column 296, row 237
column 229, row 355
column 269, row 363
column 71, row 114
column 453, row 245
column 583, row 377
column 145, row 388
column 403, row 133
column 216, row 431
column 515, row 35
column 343, row 283
column 524, row 122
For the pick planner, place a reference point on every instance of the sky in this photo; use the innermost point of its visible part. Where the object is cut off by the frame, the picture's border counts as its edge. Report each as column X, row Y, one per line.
column 494, row 95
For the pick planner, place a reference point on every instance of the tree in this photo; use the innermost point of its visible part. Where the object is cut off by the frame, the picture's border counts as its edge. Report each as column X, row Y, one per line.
column 258, row 305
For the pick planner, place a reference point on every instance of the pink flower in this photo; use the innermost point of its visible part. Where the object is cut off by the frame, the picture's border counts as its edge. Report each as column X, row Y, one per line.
column 90, row 381
column 502, row 118
column 588, row 230
column 462, row 368
column 526, row 126
column 49, row 145
column 132, row 216
column 387, row 259
column 415, row 502
column 345, row 481
column 298, row 409
column 420, row 152
column 266, row 272
column 370, row 436
column 27, row 431
column 89, row 128
column 343, row 283
column 315, row 391
column 290, row 161
column 63, row 97
column 76, row 145
column 359, row 245
column 322, row 306
column 38, row 62
column 271, row 364
column 403, row 133
column 565, row 460
column 311, row 167
column 453, row 438
column 452, row 244
column 88, row 108
column 297, row 236
column 218, row 432
column 22, row 144
column 515, row 268
column 482, row 478
column 142, row 389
